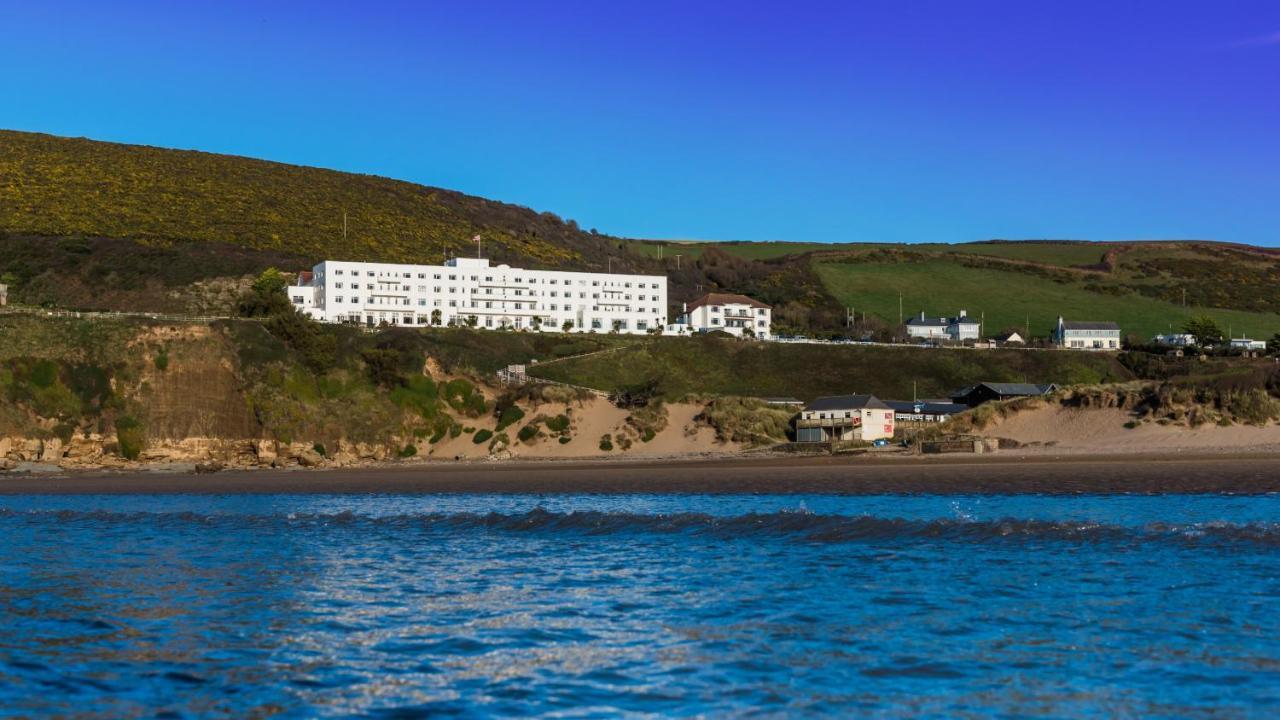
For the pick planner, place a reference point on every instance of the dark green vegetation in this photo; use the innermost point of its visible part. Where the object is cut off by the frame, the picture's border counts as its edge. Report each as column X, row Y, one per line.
column 92, row 225
column 284, row 378
column 676, row 367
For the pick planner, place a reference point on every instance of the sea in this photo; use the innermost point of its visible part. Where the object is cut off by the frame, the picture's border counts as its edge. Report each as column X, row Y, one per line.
column 385, row 606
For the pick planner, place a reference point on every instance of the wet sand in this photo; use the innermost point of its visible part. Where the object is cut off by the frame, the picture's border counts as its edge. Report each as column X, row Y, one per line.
column 997, row 474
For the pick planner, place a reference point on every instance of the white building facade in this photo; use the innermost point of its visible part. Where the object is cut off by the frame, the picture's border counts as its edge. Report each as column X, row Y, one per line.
column 1087, row 335
column 735, row 314
column 958, row 329
column 470, row 291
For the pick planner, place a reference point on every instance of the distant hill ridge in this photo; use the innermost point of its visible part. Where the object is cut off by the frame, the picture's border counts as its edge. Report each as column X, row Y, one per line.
column 74, row 187
column 97, row 225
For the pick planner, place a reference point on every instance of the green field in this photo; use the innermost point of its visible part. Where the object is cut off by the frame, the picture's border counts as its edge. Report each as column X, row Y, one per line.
column 1012, row 300
column 712, row 366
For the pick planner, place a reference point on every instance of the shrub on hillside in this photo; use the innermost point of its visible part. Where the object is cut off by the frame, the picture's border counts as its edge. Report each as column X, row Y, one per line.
column 508, row 416
column 267, row 297
column 130, row 436
column 481, row 436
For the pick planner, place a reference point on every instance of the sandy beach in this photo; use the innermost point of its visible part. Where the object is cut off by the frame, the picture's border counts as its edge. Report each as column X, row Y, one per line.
column 1046, row 474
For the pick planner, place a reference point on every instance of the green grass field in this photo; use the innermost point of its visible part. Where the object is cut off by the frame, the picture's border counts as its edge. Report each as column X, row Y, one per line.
column 713, row 366
column 1012, row 299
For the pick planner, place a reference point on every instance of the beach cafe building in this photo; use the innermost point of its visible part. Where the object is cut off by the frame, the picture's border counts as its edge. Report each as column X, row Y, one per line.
column 845, row 417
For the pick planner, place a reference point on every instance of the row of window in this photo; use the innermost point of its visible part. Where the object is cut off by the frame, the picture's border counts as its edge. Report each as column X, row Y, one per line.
column 553, row 307
column 518, row 322
column 489, row 278
column 488, row 291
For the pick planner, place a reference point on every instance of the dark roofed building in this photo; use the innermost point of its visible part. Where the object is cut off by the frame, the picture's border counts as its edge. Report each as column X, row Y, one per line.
column 1087, row 335
column 924, row 411
column 845, row 417
column 961, row 327
column 975, row 395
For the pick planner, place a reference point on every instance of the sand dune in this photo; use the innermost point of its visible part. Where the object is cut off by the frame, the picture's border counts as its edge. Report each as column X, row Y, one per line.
column 1053, row 428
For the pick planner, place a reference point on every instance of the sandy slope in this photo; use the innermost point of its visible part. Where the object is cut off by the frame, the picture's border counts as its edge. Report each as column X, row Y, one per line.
column 1053, row 428
column 591, row 419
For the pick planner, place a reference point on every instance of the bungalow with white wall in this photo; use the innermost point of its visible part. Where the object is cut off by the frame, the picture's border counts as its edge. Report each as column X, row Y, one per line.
column 1245, row 343
column 1087, row 335
column 845, row 417
column 735, row 314
column 959, row 328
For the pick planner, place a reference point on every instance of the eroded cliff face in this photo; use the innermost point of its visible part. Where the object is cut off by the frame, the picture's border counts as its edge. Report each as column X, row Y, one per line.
column 185, row 384
column 85, row 393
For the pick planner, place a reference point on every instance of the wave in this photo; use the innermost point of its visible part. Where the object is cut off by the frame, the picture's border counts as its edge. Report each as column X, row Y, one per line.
column 796, row 525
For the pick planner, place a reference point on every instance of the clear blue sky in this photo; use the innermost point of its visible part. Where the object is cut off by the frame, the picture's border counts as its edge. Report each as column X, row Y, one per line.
column 903, row 120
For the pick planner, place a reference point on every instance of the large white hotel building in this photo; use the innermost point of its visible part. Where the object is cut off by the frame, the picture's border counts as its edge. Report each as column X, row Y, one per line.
column 495, row 296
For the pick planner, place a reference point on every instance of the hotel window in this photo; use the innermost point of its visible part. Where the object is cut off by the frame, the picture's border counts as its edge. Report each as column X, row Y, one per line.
column 422, row 302
column 370, row 273
column 355, row 299
column 338, row 272
column 422, row 276
column 338, row 299
column 338, row 285
column 368, row 286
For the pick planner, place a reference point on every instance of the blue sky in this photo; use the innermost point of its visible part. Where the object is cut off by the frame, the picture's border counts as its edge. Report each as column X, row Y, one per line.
column 826, row 121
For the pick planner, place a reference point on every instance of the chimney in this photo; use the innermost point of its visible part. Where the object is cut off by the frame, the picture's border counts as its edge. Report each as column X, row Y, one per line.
column 964, row 313
column 922, row 315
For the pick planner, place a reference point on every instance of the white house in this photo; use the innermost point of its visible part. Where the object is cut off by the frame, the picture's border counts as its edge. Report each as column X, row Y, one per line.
column 735, row 314
column 1247, row 344
column 1174, row 339
column 959, row 328
column 472, row 292
column 845, row 417
column 1087, row 335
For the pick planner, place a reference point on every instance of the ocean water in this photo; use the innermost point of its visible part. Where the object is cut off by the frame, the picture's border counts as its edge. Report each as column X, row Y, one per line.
column 591, row 606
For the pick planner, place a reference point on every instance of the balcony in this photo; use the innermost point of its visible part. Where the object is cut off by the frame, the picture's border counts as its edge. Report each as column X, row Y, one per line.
column 855, row 421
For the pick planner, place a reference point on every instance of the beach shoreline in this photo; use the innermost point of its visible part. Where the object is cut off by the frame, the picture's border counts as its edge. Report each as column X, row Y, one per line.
column 1003, row 473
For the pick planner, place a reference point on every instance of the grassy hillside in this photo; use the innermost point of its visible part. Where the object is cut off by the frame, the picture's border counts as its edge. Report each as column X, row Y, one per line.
column 1147, row 287
column 94, row 225
column 727, row 367
column 1009, row 299
column 68, row 187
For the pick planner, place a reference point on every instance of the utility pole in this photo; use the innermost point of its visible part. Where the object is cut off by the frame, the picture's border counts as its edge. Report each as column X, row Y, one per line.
column 479, row 254
column 659, row 253
column 678, row 262
column 611, row 265
column 1184, row 298
column 899, row 308
column 344, row 229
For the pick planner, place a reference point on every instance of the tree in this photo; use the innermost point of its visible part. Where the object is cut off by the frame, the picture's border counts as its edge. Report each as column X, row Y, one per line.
column 472, row 321
column 266, row 296
column 1204, row 329
column 1273, row 345
column 566, row 326
column 617, row 326
column 536, row 323
column 435, row 317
